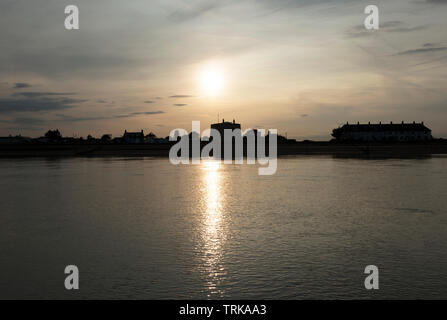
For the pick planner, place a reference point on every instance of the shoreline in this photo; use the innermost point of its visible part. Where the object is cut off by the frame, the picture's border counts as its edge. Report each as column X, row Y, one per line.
column 402, row 149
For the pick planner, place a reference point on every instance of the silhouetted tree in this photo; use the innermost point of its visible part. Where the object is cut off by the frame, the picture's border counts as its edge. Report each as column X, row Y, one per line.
column 53, row 135
column 151, row 135
column 106, row 138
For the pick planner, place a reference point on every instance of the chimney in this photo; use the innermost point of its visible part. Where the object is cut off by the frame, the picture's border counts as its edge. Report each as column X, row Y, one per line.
column 402, row 122
column 380, row 122
column 369, row 122
column 223, row 120
column 391, row 122
column 234, row 121
column 358, row 122
column 414, row 122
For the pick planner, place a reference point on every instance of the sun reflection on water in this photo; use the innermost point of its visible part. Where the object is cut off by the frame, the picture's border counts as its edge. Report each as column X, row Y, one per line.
column 213, row 231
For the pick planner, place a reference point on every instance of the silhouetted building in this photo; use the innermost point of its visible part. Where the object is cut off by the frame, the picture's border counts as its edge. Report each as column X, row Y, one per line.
column 235, row 139
column 221, row 127
column 382, row 132
column 133, row 137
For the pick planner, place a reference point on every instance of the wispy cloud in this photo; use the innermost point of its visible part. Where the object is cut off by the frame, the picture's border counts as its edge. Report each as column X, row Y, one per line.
column 388, row 26
column 190, row 11
column 42, row 94
column 67, row 118
column 37, row 101
column 181, row 96
column 421, row 50
column 180, row 104
column 147, row 113
column 29, row 121
column 21, row 85
column 37, row 104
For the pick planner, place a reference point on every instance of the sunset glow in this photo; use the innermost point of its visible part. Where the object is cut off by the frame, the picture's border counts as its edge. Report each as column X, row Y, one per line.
column 211, row 80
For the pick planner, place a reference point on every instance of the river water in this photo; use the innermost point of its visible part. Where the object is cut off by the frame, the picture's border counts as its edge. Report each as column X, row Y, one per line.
column 142, row 228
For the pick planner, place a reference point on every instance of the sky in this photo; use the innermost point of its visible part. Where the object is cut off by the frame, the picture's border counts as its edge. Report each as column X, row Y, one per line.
column 303, row 67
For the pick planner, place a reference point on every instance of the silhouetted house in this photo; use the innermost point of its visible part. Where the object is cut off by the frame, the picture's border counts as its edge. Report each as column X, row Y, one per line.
column 230, row 126
column 382, row 132
column 133, row 137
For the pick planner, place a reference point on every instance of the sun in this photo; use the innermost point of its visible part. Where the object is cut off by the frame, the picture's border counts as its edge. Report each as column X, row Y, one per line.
column 212, row 79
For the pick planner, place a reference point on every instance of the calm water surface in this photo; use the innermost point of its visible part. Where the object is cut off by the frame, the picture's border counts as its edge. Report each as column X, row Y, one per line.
column 143, row 228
